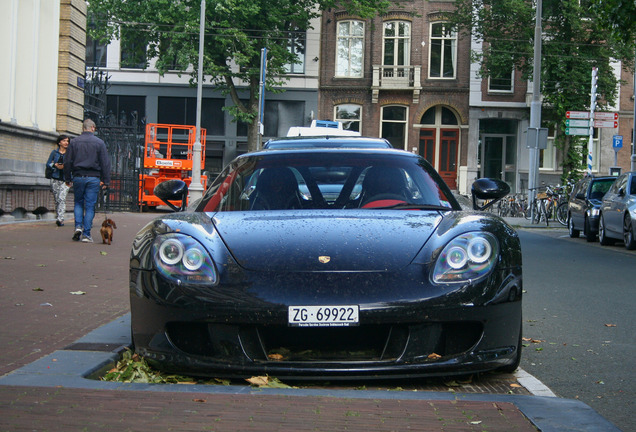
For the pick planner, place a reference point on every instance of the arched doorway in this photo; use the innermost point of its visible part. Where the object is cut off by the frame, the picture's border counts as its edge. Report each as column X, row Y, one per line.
column 439, row 142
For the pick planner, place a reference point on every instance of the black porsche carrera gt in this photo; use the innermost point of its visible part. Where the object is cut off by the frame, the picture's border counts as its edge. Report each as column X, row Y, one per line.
column 327, row 263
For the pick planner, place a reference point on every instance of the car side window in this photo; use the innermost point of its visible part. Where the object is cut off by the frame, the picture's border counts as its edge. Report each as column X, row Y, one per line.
column 632, row 186
column 620, row 184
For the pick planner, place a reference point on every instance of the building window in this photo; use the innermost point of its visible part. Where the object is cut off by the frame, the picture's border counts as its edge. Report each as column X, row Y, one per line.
column 182, row 111
column 349, row 115
column 95, row 50
column 397, row 43
column 126, row 110
column 350, row 49
column 393, row 125
column 547, row 156
column 501, row 83
column 443, row 52
column 297, row 44
column 133, row 50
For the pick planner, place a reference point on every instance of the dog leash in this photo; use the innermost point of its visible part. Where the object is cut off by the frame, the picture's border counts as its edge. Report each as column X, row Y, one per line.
column 103, row 199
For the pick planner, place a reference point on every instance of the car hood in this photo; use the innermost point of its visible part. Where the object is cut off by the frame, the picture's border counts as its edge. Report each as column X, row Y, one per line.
column 309, row 241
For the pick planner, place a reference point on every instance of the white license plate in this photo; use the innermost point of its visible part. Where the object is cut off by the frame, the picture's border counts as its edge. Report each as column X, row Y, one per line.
column 323, row 316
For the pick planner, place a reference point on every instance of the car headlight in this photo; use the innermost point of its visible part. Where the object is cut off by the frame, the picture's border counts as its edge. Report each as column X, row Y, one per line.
column 182, row 259
column 469, row 256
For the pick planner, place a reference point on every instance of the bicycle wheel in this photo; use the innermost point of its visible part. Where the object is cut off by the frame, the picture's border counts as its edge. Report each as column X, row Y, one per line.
column 562, row 213
column 536, row 211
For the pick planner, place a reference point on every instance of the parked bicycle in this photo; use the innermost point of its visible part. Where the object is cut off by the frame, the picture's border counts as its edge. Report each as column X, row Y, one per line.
column 512, row 206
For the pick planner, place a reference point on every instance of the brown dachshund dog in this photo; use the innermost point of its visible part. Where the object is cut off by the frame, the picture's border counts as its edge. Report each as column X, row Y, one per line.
column 107, row 230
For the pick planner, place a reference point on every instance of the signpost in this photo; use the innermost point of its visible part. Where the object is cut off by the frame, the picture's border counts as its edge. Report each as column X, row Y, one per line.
column 617, row 144
column 577, row 115
column 577, row 131
column 578, row 122
column 605, row 124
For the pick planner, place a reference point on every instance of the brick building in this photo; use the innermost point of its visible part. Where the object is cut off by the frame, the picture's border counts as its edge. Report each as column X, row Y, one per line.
column 43, row 54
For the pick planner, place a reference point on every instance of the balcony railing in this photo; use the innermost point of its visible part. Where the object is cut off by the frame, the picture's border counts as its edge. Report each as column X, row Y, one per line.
column 396, row 78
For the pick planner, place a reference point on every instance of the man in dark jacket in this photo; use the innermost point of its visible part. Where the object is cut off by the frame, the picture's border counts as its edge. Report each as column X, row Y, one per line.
column 87, row 166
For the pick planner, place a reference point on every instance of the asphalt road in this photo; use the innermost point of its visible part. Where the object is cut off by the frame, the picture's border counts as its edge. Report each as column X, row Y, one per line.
column 579, row 313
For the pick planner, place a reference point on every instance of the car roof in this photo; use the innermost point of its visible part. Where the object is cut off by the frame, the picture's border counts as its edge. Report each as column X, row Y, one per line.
column 326, row 142
column 318, row 149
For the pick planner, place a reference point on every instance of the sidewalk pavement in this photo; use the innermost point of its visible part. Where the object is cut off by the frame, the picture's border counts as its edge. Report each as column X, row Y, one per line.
column 64, row 317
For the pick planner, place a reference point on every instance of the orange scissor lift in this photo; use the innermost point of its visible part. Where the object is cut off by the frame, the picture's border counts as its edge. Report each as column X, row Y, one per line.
column 168, row 154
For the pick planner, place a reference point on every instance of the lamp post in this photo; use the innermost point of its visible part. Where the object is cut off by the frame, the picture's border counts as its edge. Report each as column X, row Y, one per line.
column 535, row 111
column 196, row 189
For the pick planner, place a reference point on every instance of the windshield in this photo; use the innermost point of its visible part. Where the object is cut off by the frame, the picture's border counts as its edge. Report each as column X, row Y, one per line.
column 319, row 180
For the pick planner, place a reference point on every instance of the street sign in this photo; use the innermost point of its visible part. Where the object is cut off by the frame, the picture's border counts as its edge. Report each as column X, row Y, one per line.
column 605, row 124
column 605, row 116
column 577, row 131
column 617, row 141
column 577, row 123
column 577, row 114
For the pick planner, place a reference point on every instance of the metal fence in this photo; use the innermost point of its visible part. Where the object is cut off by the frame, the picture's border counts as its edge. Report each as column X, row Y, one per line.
column 124, row 142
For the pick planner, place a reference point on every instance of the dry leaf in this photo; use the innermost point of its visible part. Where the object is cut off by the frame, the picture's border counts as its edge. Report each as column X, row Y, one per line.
column 199, row 400
column 258, row 381
column 610, row 325
column 77, row 292
column 277, row 357
column 515, row 385
column 434, row 356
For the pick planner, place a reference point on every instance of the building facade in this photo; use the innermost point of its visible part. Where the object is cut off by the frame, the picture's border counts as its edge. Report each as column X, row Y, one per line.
column 403, row 76
column 41, row 96
column 137, row 87
column 406, row 77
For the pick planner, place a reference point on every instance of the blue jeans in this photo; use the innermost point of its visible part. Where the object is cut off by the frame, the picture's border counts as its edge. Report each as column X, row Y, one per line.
column 86, row 193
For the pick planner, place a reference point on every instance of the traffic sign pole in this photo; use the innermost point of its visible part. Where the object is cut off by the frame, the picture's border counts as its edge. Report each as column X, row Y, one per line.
column 590, row 145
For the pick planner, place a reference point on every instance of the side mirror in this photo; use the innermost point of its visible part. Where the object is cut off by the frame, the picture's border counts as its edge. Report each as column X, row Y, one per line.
column 173, row 190
column 488, row 189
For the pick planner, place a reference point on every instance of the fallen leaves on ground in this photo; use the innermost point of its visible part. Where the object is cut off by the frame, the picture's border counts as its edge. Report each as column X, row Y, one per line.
column 610, row 325
column 77, row 292
column 266, row 381
column 133, row 368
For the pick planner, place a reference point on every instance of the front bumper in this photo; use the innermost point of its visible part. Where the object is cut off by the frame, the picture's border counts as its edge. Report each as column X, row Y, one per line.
column 410, row 339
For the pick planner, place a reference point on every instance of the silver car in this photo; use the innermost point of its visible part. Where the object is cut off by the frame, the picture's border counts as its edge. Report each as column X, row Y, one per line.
column 618, row 212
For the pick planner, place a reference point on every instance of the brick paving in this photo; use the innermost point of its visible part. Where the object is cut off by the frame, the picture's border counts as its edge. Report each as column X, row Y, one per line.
column 102, row 410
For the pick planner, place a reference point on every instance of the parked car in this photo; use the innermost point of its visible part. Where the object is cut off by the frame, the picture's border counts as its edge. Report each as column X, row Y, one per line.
column 370, row 268
column 584, row 204
column 618, row 212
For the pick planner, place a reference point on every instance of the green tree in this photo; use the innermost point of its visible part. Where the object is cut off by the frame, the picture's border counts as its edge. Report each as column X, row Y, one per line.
column 618, row 16
column 573, row 42
column 235, row 33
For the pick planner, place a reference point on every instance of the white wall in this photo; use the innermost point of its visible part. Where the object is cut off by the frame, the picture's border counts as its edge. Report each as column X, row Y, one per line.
column 29, row 31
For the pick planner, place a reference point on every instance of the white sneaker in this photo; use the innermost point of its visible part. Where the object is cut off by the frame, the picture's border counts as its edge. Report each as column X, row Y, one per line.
column 87, row 239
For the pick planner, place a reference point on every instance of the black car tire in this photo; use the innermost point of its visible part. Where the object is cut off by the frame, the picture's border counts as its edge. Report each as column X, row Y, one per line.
column 574, row 233
column 587, row 230
column 602, row 235
column 628, row 233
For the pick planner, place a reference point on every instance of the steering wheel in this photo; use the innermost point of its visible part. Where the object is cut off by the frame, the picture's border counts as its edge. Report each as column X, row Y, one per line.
column 384, row 200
